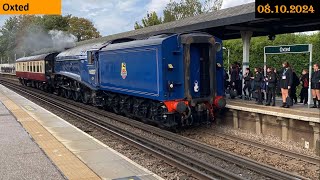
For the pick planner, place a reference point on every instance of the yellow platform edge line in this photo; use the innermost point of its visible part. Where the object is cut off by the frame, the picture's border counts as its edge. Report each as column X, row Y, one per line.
column 68, row 163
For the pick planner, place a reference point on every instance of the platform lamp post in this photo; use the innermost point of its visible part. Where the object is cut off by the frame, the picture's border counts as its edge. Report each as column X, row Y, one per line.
column 224, row 48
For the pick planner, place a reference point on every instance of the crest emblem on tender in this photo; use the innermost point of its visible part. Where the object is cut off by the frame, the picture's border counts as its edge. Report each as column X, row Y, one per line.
column 124, row 70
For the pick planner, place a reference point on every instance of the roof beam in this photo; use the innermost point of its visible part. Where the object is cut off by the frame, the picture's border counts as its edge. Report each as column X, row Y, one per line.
column 263, row 20
column 241, row 28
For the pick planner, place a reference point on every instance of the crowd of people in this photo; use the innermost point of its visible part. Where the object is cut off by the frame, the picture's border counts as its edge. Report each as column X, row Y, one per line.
column 8, row 69
column 284, row 81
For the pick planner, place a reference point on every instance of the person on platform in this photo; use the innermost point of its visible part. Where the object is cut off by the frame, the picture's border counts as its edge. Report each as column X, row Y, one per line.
column 226, row 80
column 234, row 76
column 293, row 90
column 315, row 85
column 304, row 79
column 285, row 83
column 278, row 89
column 258, row 78
column 247, row 83
column 238, row 83
column 271, row 81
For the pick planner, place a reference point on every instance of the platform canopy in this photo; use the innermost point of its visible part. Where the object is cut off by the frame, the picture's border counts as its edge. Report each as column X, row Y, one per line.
column 225, row 24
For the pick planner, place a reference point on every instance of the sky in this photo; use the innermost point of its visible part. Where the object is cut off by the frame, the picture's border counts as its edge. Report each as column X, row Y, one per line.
column 115, row 16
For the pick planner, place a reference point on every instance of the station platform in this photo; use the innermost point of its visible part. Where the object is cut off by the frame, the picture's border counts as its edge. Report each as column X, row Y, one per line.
column 37, row 144
column 20, row 157
column 298, row 124
column 5, row 73
column 297, row 111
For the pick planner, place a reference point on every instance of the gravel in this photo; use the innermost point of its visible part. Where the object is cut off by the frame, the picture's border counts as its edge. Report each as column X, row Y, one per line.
column 281, row 161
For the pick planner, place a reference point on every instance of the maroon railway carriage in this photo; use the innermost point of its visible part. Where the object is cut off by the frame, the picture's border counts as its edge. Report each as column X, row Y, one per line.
column 36, row 70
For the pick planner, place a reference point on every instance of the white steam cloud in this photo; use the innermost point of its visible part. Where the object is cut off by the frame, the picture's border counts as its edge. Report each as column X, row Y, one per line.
column 36, row 40
column 62, row 39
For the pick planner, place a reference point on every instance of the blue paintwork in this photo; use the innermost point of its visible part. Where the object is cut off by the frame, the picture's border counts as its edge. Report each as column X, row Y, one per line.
column 147, row 61
column 68, row 67
column 146, row 67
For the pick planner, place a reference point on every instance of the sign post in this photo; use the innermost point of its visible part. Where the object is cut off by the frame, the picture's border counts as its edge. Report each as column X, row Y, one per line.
column 285, row 49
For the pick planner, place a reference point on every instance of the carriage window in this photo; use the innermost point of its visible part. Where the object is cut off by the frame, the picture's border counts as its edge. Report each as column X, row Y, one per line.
column 40, row 67
column 34, row 67
column 90, row 57
column 28, row 66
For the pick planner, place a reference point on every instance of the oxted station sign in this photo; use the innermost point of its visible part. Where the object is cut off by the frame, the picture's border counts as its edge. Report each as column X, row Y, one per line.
column 301, row 48
column 30, row 7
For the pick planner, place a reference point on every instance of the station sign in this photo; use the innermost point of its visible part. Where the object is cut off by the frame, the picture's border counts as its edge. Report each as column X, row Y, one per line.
column 30, row 7
column 301, row 48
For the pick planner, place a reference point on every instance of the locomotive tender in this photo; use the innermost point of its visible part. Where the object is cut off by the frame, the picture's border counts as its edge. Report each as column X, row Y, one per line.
column 172, row 80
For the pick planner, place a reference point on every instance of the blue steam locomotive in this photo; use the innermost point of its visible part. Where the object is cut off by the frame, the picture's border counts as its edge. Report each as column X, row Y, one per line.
column 171, row 80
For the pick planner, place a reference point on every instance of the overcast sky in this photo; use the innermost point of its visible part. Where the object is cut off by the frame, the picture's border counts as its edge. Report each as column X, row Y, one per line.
column 115, row 16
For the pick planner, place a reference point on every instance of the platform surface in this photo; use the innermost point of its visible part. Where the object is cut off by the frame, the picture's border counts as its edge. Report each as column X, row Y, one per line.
column 20, row 156
column 76, row 154
column 297, row 111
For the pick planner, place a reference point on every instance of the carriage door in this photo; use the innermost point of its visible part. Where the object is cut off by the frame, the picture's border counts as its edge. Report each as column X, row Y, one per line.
column 92, row 66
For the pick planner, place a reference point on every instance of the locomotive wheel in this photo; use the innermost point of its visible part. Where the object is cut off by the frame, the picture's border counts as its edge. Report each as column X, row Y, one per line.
column 61, row 92
column 68, row 94
column 47, row 88
column 76, row 96
column 33, row 84
column 42, row 87
column 37, row 85
column 128, row 106
column 85, row 98
column 115, row 105
column 58, row 92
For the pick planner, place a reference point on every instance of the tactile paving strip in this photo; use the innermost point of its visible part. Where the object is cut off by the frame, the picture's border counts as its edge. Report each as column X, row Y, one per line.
column 71, row 166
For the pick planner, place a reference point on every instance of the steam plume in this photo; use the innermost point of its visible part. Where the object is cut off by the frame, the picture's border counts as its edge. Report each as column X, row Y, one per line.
column 36, row 40
column 62, row 39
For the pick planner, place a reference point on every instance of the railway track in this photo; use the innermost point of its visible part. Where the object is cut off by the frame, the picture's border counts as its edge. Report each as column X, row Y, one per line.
column 198, row 168
column 310, row 159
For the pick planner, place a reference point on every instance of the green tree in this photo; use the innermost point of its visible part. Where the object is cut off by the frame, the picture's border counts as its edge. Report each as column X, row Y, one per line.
column 211, row 5
column 298, row 61
column 82, row 28
column 8, row 36
column 185, row 8
column 56, row 22
column 150, row 20
column 180, row 10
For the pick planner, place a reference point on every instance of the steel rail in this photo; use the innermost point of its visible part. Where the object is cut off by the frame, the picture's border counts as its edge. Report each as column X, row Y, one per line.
column 260, row 168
